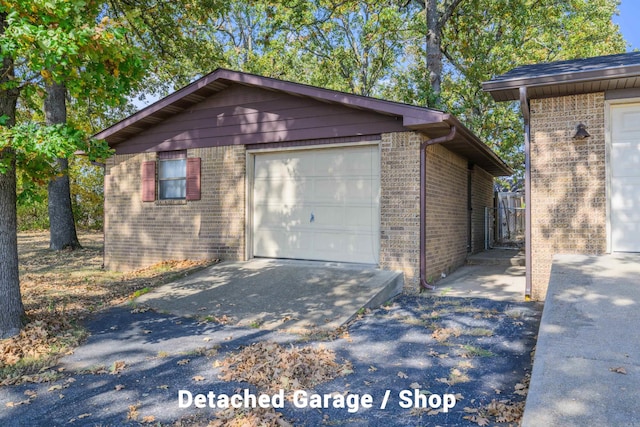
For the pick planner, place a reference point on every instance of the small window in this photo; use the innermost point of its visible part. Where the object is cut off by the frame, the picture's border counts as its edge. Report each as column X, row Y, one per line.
column 178, row 177
column 172, row 175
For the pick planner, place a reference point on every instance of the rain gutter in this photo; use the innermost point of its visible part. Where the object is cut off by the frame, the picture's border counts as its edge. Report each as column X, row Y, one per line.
column 423, row 202
column 526, row 114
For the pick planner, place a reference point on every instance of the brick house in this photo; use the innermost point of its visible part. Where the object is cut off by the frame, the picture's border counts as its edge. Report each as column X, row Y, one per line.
column 236, row 166
column 582, row 189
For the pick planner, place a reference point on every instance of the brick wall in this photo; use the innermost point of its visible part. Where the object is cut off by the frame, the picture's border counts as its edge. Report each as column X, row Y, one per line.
column 568, row 182
column 447, row 210
column 400, row 205
column 141, row 233
column 482, row 196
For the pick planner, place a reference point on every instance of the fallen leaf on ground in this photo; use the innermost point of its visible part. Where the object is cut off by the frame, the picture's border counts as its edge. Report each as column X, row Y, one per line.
column 402, row 374
column 619, row 370
column 117, row 367
column 198, row 378
column 271, row 366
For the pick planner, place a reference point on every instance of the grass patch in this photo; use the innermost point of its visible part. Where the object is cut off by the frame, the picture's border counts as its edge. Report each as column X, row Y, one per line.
column 140, row 292
column 473, row 351
column 479, row 332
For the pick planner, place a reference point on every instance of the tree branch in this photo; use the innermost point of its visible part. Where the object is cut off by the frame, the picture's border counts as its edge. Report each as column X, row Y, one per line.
column 448, row 12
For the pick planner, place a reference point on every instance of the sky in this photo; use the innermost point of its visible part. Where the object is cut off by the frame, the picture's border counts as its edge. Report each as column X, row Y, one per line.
column 628, row 22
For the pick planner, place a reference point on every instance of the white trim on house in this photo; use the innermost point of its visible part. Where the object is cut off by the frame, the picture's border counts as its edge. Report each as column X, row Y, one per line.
column 608, row 126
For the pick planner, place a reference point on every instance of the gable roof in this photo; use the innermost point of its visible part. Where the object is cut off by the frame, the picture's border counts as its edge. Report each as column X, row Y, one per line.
column 432, row 123
column 553, row 79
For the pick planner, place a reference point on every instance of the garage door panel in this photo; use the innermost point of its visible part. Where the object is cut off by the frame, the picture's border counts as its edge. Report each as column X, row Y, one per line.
column 625, row 122
column 349, row 189
column 320, row 204
column 361, row 217
column 625, row 178
column 346, row 218
column 283, row 217
column 327, row 243
column 626, row 158
column 288, row 190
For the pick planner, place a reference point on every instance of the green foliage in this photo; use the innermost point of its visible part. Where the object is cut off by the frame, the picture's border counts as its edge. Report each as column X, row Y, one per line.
column 485, row 38
column 87, row 193
column 71, row 42
column 37, row 146
column 86, row 198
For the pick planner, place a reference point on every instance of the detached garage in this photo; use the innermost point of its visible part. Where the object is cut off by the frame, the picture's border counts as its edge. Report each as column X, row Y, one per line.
column 237, row 166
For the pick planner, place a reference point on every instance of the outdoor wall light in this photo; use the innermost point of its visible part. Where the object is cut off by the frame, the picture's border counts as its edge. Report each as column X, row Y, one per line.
column 581, row 132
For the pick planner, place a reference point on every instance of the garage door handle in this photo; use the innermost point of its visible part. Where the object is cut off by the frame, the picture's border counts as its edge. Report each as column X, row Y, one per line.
column 313, row 218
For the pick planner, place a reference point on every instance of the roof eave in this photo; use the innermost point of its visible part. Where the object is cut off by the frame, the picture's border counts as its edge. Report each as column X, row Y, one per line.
column 508, row 89
column 409, row 113
column 482, row 154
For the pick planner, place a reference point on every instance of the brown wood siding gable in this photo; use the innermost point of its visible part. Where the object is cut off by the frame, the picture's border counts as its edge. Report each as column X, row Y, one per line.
column 149, row 181
column 241, row 115
column 193, row 178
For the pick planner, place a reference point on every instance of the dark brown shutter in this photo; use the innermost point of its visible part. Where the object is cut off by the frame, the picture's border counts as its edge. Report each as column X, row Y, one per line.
column 193, row 178
column 148, row 181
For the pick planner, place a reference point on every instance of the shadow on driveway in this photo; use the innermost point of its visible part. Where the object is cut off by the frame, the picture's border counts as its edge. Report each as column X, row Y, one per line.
column 277, row 294
column 134, row 364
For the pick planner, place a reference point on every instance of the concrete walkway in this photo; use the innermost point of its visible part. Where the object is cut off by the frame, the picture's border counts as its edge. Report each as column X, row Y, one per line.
column 587, row 363
column 494, row 274
column 277, row 294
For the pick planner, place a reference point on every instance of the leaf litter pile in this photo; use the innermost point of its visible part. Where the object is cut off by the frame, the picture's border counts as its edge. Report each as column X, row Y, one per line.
column 271, row 367
column 60, row 288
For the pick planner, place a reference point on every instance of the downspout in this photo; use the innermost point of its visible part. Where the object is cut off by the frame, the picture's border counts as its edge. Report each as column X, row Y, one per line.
column 526, row 114
column 423, row 203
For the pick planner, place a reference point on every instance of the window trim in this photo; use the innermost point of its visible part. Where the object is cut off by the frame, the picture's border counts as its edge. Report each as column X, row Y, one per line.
column 150, row 172
column 172, row 156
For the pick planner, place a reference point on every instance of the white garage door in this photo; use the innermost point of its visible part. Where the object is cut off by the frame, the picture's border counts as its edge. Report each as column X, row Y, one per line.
column 625, row 178
column 320, row 204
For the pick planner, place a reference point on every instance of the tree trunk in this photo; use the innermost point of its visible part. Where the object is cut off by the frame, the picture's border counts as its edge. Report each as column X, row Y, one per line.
column 11, row 310
column 62, row 226
column 434, row 54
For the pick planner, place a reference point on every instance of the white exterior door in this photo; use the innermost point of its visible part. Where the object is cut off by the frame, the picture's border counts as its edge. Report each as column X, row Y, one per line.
column 317, row 204
column 625, row 178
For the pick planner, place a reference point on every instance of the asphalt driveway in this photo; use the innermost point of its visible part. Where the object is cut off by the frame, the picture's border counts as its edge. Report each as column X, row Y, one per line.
column 130, row 370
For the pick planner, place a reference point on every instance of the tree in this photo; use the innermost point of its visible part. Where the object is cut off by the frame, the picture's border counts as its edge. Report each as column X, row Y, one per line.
column 61, row 42
column 438, row 15
column 484, row 38
column 11, row 309
column 62, row 226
